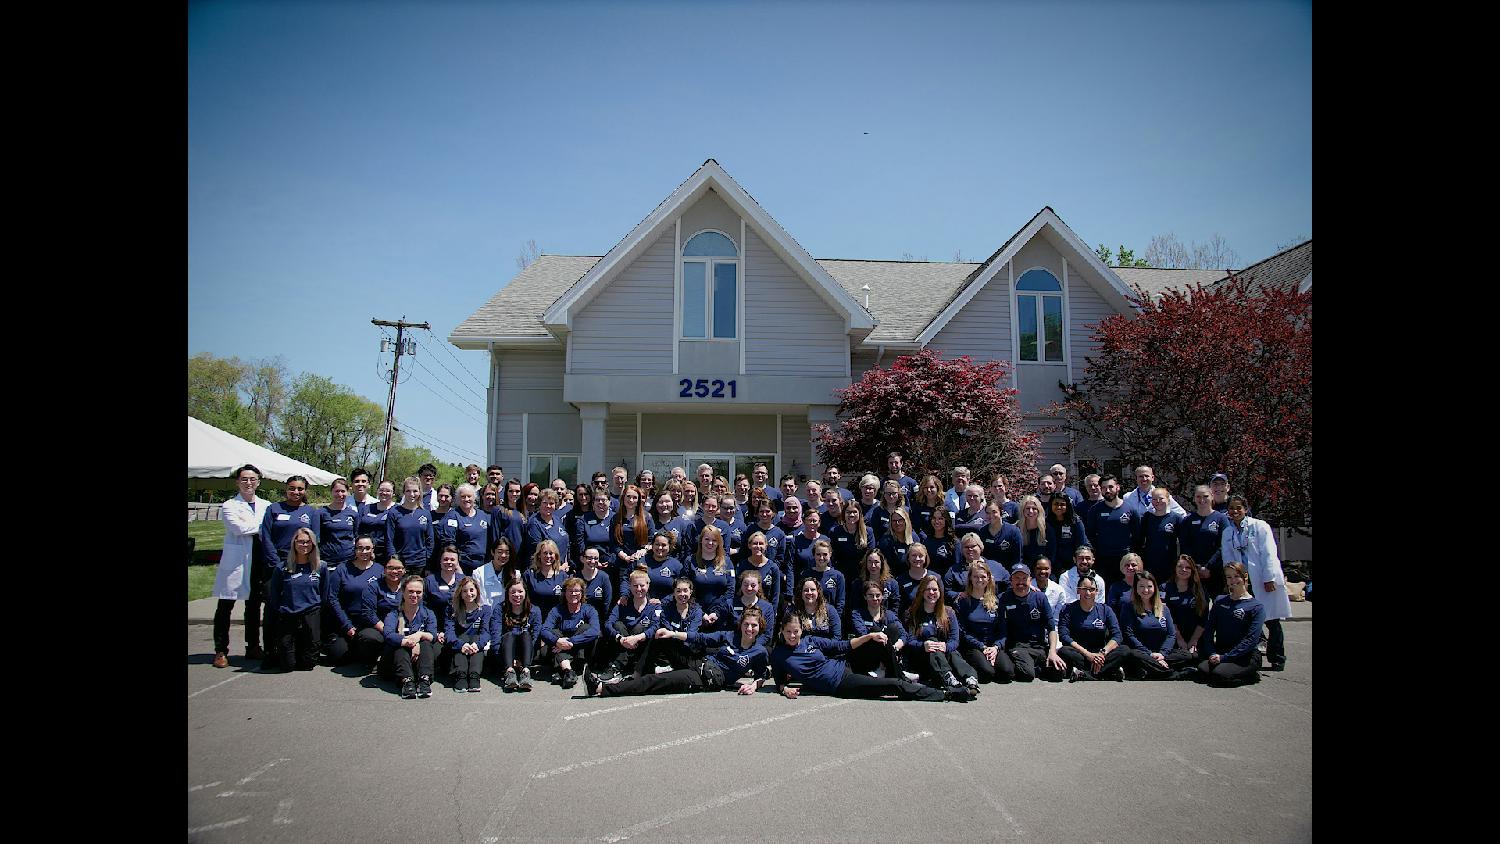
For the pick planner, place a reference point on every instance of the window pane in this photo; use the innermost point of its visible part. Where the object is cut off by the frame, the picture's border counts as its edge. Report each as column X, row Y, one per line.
column 694, row 301
column 1039, row 280
column 567, row 469
column 725, row 303
column 1026, row 314
column 719, row 464
column 1052, row 323
column 744, row 464
column 709, row 244
column 540, row 471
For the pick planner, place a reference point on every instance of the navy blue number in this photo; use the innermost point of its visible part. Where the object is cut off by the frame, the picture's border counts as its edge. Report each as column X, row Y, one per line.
column 701, row 391
column 732, row 390
column 718, row 392
column 686, row 386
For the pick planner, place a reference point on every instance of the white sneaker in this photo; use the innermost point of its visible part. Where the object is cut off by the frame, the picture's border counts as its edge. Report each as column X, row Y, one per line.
column 662, row 669
column 910, row 676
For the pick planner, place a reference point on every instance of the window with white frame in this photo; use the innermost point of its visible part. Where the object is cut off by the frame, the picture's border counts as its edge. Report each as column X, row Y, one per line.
column 1039, row 317
column 710, row 287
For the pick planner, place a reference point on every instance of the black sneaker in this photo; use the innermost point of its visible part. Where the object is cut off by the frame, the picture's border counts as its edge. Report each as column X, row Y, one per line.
column 958, row 695
column 408, row 689
column 591, row 683
column 474, row 682
column 568, row 679
column 1277, row 666
column 950, row 681
column 424, row 687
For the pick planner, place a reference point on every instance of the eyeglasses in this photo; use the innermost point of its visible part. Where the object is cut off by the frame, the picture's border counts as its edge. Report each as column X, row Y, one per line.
column 1088, row 589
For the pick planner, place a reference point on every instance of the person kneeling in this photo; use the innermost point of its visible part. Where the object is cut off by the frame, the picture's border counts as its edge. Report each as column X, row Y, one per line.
column 739, row 662
column 814, row 663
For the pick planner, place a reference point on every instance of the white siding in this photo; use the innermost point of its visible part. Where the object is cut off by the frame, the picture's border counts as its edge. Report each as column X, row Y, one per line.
column 1085, row 308
column 789, row 329
column 619, row 442
column 863, row 361
column 796, row 446
column 531, row 382
column 508, row 444
column 627, row 328
column 981, row 329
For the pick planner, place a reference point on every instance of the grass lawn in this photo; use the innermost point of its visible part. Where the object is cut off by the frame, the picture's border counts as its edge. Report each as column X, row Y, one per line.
column 200, row 581
column 210, row 535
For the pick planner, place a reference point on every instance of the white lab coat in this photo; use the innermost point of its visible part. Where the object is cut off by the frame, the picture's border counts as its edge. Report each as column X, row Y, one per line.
column 241, row 532
column 1261, row 563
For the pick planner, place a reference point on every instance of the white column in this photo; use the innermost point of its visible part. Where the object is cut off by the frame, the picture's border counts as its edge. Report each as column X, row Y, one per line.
column 818, row 414
column 593, row 415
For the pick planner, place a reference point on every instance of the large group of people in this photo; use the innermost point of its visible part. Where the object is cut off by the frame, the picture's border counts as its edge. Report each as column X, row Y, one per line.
column 892, row 586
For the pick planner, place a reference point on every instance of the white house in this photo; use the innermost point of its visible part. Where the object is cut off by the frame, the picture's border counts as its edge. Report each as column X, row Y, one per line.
column 708, row 334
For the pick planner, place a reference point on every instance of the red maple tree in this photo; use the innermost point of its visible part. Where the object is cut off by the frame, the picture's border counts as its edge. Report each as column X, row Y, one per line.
column 938, row 413
column 1212, row 379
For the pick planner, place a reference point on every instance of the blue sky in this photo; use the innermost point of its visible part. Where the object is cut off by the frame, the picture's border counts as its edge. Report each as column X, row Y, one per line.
column 357, row 160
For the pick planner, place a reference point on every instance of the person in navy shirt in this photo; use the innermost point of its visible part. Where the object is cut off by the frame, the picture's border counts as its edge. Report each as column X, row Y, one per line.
column 799, row 547
column 631, row 529
column 1121, row 590
column 1151, row 642
column 876, row 571
column 1091, row 636
column 514, row 628
column 768, row 573
column 736, row 660
column 1059, row 474
column 1002, row 540
column 337, row 525
column 970, row 517
column 941, row 542
column 381, row 597
column 1201, row 536
column 598, row 589
column 1031, row 641
column 545, row 525
column 471, row 530
column 917, row 569
column 411, row 637
column 749, row 594
column 999, row 494
column 346, row 590
column 816, row 665
column 1065, row 531
column 372, row 518
column 898, row 538
column 1160, row 536
column 467, row 634
column 818, row 617
column 661, row 566
column 680, row 615
column 882, row 650
column 981, row 626
column 932, row 640
column 928, row 497
column 891, row 500
column 299, row 589
column 850, row 539
column 630, row 624
column 1187, row 602
column 1033, row 527
column 443, row 523
column 712, row 576
column 1232, row 636
column 282, row 520
column 1115, row 530
column 678, row 528
column 569, row 630
column 408, row 527
column 544, row 580
column 893, row 473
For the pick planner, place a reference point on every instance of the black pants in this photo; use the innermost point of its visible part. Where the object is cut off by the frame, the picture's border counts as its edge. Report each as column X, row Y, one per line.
column 1275, row 642
column 1230, row 673
column 1140, row 666
column 1112, row 660
column 869, row 688
column 1028, row 662
column 364, row 647
column 982, row 669
column 516, row 648
column 260, row 576
column 681, row 681
column 670, row 651
column 465, row 664
column 870, row 655
column 222, row 614
column 931, row 667
column 399, row 661
column 299, row 639
column 626, row 661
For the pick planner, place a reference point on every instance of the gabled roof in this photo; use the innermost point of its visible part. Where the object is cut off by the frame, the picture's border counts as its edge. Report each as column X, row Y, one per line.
column 904, row 295
column 1156, row 281
column 514, row 314
column 559, row 317
column 1115, row 292
column 1284, row 270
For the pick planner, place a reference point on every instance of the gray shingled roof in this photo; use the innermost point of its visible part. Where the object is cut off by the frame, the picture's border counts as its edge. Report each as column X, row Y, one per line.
column 904, row 295
column 516, row 311
column 1157, row 281
column 1285, row 269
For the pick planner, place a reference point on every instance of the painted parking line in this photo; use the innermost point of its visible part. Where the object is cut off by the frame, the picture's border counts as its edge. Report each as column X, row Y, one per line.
column 230, row 679
column 225, row 825
column 194, row 788
column 613, row 709
column 746, row 793
column 604, row 760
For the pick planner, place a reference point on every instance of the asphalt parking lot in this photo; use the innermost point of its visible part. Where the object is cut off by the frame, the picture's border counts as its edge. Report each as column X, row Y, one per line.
column 319, row 756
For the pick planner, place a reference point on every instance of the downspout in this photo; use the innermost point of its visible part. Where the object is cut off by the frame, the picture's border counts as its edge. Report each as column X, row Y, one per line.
column 879, row 354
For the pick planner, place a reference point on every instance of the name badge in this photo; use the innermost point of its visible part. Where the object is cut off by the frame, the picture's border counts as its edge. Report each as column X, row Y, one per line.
column 453, row 523
column 443, row 586
column 283, row 517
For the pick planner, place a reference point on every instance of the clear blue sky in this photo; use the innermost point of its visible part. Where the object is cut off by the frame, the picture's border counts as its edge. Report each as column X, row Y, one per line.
column 357, row 160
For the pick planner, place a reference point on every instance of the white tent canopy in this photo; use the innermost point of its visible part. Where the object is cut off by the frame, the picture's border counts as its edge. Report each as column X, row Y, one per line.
column 213, row 453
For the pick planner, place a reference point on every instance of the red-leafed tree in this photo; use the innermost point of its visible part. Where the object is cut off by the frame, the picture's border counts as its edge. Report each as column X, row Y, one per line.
column 1203, row 381
column 938, row 414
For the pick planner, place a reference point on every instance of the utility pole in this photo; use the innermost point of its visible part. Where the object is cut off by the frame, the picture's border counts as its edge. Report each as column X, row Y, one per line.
column 390, row 407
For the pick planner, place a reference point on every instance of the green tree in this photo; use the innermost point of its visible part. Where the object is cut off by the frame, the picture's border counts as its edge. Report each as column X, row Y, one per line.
column 328, row 425
column 1125, row 257
column 213, row 388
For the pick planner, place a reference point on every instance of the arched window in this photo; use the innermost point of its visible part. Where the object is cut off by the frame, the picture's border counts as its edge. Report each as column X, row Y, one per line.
column 1039, row 316
column 710, row 287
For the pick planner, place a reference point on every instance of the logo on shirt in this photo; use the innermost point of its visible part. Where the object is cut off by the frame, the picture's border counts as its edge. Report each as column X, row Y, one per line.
column 1005, row 545
column 1067, row 533
column 1239, row 613
column 1098, row 624
column 305, row 519
column 1166, row 527
column 1213, row 527
column 1125, row 518
column 1035, row 613
column 422, row 520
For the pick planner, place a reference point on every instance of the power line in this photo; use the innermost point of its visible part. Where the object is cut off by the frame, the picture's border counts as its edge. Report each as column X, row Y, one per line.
column 460, row 410
column 441, row 381
column 390, row 408
column 455, row 375
column 444, row 346
column 419, row 434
